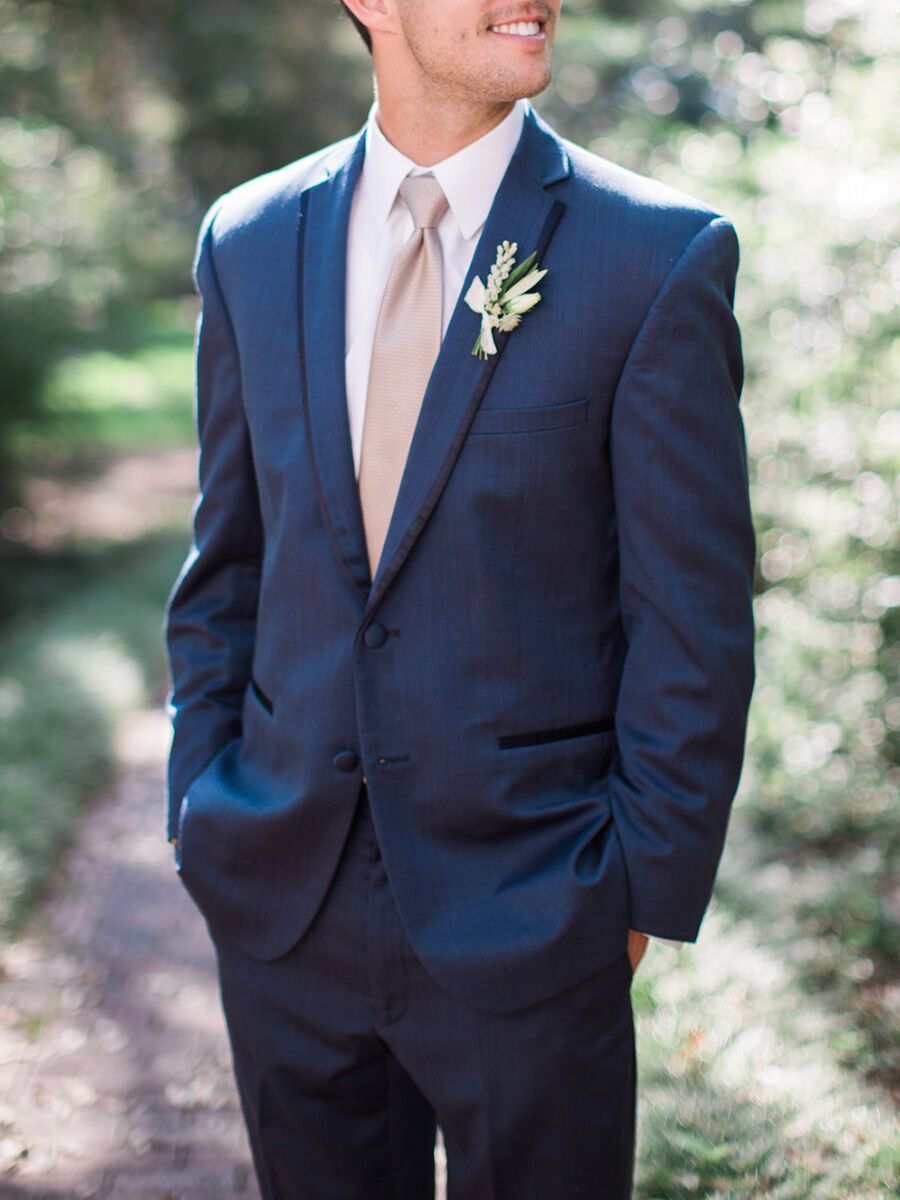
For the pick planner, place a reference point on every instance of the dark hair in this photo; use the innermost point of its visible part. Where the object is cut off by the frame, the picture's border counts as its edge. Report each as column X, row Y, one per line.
column 363, row 31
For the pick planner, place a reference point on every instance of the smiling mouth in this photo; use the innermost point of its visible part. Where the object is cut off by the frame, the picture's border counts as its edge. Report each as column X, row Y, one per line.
column 523, row 31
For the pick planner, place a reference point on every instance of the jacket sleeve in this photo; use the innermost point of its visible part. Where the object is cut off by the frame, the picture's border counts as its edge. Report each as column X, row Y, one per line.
column 686, row 568
column 210, row 618
column 675, row 943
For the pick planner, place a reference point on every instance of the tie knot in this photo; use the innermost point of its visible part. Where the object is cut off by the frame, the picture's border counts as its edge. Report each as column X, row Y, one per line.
column 425, row 199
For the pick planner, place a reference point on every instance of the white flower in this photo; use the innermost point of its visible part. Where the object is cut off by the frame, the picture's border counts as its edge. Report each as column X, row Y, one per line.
column 502, row 301
column 488, row 321
column 521, row 304
column 475, row 296
column 519, row 289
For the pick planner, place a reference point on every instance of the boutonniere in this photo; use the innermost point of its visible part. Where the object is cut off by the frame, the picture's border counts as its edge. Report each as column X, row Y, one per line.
column 502, row 301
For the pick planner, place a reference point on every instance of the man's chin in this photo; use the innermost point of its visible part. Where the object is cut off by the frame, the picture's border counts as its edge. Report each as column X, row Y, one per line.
column 529, row 85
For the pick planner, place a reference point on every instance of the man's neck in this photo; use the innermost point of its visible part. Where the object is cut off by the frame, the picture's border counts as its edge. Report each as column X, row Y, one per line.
column 428, row 137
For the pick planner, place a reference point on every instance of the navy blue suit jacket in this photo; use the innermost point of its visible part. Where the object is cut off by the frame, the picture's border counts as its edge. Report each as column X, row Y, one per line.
column 546, row 683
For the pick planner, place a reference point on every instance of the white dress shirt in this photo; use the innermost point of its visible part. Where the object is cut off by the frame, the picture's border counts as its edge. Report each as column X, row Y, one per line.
column 380, row 223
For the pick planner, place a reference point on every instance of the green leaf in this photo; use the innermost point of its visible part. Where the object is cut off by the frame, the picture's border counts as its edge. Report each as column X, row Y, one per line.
column 521, row 270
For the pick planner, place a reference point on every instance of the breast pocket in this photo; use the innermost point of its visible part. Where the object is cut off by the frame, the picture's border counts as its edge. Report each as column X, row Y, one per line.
column 531, row 419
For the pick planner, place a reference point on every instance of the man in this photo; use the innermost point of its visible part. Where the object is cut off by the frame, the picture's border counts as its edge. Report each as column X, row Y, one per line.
column 462, row 653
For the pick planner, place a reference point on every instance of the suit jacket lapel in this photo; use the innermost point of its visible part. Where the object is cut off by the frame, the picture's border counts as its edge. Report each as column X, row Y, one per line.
column 324, row 221
column 523, row 211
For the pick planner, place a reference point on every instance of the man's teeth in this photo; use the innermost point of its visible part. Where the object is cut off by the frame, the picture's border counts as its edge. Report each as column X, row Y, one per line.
column 525, row 28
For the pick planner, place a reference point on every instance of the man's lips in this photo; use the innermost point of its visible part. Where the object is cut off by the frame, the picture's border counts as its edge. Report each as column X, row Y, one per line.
column 516, row 30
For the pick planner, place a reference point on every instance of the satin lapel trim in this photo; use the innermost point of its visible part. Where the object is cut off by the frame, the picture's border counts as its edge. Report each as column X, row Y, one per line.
column 523, row 211
column 324, row 220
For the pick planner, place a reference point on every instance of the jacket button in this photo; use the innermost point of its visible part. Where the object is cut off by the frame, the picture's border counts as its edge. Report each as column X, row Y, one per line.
column 375, row 634
column 346, row 760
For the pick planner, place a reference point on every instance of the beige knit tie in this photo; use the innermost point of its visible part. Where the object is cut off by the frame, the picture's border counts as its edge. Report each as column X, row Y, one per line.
column 407, row 340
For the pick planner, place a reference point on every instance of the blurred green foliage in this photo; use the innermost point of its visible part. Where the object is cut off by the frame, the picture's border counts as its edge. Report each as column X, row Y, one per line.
column 78, row 662
column 128, row 386
column 120, row 120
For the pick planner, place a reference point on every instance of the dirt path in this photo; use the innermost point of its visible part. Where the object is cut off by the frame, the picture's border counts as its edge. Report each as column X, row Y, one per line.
column 128, row 495
column 115, row 1073
column 115, row 1069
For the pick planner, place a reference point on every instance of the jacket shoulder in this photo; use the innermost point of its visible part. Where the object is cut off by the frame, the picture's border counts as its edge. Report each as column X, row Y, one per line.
column 604, row 181
column 271, row 193
column 641, row 211
column 638, row 225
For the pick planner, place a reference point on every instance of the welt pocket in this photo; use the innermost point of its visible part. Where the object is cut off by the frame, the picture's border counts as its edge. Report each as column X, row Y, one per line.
column 535, row 737
column 261, row 696
column 533, row 418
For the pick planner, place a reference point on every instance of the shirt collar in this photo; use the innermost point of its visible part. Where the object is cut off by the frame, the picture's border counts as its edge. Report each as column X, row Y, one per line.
column 469, row 178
